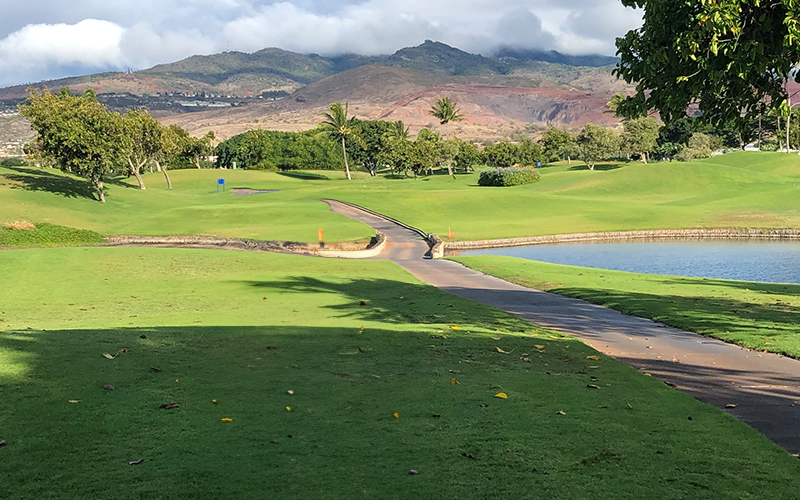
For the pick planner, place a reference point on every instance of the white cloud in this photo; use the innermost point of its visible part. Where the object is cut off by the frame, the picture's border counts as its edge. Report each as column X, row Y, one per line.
column 90, row 43
column 51, row 38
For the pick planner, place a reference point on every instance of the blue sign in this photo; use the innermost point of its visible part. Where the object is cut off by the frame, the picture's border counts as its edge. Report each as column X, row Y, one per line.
column 221, row 182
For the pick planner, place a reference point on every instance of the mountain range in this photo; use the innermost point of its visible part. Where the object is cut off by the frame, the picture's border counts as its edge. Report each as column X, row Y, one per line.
column 498, row 94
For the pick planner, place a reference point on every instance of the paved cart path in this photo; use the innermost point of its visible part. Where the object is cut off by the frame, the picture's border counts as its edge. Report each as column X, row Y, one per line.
column 764, row 387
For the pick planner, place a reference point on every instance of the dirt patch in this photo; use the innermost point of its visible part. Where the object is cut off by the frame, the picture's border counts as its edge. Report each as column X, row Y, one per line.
column 249, row 192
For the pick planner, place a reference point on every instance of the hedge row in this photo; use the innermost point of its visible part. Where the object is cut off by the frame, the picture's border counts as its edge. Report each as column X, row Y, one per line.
column 511, row 176
column 47, row 235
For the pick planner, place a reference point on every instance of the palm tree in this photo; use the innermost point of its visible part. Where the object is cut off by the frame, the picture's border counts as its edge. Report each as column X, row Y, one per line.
column 339, row 127
column 446, row 111
column 399, row 130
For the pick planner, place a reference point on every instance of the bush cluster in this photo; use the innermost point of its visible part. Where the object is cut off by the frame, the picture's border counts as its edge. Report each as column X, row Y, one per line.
column 511, row 176
column 12, row 162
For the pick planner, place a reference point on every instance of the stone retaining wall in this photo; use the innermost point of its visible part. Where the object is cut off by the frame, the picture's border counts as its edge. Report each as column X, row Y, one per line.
column 245, row 244
column 659, row 235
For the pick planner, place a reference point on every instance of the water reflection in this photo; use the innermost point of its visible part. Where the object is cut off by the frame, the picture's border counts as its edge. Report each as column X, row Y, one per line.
column 767, row 261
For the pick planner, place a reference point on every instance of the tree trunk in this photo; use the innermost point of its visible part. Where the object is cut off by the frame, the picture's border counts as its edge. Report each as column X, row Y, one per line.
column 644, row 157
column 346, row 165
column 569, row 160
column 158, row 166
column 760, row 112
column 98, row 186
column 788, row 124
column 197, row 162
column 134, row 169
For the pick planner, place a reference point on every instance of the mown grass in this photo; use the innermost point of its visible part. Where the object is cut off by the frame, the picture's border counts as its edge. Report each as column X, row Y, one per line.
column 735, row 190
column 243, row 329
column 46, row 235
column 762, row 316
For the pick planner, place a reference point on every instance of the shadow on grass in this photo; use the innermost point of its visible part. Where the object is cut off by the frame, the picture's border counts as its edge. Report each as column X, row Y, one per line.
column 35, row 179
column 67, row 433
column 602, row 167
column 790, row 289
column 405, row 303
column 775, row 326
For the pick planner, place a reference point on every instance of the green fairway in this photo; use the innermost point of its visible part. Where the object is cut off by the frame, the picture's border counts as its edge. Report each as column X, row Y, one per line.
column 356, row 342
column 762, row 316
column 193, row 207
column 735, row 190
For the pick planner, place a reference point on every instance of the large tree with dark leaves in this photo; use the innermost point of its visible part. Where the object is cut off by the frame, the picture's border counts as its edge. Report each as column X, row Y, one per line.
column 731, row 58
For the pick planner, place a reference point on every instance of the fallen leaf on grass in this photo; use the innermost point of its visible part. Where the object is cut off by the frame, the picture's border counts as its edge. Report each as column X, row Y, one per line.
column 471, row 457
column 288, row 408
column 454, row 382
column 561, row 412
column 290, row 392
column 156, row 368
column 135, row 462
column 630, row 406
column 592, row 386
column 74, row 401
column 107, row 355
column 413, row 473
column 395, row 415
column 227, row 420
column 496, row 338
column 730, row 406
column 501, row 395
column 484, row 405
column 595, row 358
column 214, row 401
column 109, row 387
column 504, row 352
column 539, row 346
column 455, row 328
column 169, row 406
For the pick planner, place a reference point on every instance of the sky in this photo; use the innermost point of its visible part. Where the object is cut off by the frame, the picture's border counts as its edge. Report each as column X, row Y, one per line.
column 49, row 39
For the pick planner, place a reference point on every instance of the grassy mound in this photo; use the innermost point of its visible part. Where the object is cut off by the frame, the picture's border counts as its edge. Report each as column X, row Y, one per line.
column 356, row 342
column 47, row 235
column 761, row 316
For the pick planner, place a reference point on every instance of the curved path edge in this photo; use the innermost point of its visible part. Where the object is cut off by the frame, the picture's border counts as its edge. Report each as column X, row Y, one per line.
column 764, row 388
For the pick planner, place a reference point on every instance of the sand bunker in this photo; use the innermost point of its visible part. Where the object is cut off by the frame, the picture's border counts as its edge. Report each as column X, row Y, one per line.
column 248, row 192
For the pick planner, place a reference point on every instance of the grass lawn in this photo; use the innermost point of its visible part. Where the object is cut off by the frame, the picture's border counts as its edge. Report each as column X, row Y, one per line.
column 193, row 207
column 245, row 328
column 736, row 190
column 762, row 316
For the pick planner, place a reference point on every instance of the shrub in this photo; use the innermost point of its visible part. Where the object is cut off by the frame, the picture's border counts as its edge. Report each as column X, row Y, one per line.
column 47, row 235
column 512, row 176
column 12, row 162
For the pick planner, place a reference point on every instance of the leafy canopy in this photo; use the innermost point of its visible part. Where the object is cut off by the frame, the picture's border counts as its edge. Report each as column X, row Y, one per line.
column 729, row 57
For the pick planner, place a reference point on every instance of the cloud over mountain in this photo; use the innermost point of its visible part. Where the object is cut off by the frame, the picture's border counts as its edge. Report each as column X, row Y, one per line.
column 51, row 38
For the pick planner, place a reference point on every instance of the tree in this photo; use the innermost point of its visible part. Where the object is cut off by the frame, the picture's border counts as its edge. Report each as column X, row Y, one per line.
column 196, row 148
column 399, row 129
column 729, row 57
column 76, row 133
column 446, row 111
column 139, row 140
column 641, row 136
column 557, row 145
column 339, row 127
column 372, row 134
column 596, row 143
column 174, row 140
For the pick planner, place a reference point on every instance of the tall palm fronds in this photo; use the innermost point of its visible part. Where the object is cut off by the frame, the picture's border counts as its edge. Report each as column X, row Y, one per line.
column 446, row 111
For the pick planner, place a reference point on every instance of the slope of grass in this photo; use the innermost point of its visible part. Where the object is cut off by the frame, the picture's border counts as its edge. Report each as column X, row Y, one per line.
column 762, row 316
column 193, row 207
column 736, row 190
column 232, row 333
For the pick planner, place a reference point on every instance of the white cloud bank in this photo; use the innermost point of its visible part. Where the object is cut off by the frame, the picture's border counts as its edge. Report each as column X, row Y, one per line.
column 107, row 35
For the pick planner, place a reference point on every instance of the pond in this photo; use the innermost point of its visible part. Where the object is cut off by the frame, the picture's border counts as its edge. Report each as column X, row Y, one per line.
column 766, row 261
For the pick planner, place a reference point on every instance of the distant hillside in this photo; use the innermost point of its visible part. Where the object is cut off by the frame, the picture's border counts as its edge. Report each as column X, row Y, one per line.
column 494, row 106
column 248, row 75
column 499, row 95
